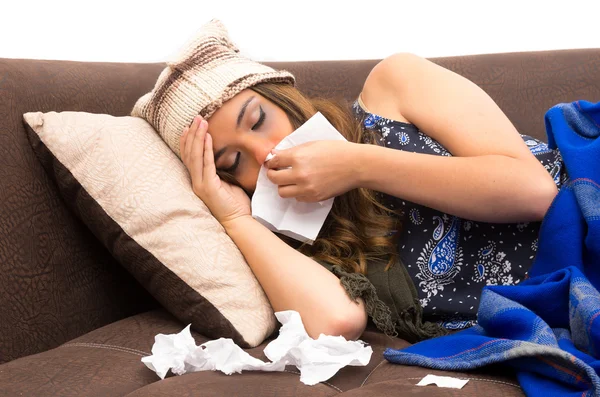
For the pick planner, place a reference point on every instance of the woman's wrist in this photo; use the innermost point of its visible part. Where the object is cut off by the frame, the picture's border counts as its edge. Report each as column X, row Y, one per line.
column 360, row 169
column 232, row 226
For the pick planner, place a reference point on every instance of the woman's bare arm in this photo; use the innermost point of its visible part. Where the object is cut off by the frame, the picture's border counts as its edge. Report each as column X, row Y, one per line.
column 293, row 281
column 492, row 177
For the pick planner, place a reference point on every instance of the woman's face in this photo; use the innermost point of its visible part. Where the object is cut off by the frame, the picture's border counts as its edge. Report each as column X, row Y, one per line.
column 244, row 130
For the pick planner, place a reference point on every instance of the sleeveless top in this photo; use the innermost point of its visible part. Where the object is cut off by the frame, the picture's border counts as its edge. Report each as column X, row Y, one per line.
column 451, row 259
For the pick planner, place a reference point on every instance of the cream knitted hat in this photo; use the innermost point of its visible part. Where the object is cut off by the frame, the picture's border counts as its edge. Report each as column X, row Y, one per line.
column 207, row 72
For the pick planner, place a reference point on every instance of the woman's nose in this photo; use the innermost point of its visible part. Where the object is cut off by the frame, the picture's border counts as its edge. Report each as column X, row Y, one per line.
column 261, row 150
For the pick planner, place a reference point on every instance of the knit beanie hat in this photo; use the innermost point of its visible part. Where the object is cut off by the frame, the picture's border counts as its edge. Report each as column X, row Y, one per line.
column 207, row 72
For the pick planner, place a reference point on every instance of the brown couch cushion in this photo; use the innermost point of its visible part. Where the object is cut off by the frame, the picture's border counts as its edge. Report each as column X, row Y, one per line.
column 380, row 378
column 287, row 385
column 135, row 194
column 107, row 362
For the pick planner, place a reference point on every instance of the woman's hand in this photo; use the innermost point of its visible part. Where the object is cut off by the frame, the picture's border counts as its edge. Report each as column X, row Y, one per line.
column 225, row 201
column 319, row 170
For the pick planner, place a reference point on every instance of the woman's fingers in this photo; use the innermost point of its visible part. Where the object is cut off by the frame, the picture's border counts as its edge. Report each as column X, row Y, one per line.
column 209, row 160
column 282, row 177
column 304, row 199
column 197, row 153
column 182, row 143
column 281, row 159
column 289, row 191
column 191, row 137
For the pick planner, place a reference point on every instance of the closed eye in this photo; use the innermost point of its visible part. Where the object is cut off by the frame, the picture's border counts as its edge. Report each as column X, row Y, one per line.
column 261, row 120
column 233, row 168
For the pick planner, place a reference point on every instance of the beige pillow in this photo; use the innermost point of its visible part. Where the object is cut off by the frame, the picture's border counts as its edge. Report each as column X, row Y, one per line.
column 134, row 193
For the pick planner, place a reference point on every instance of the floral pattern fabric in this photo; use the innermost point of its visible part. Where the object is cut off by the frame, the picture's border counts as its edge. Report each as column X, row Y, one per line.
column 451, row 259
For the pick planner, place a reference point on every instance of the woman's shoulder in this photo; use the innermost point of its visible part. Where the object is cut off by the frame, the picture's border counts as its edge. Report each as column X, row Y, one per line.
column 381, row 92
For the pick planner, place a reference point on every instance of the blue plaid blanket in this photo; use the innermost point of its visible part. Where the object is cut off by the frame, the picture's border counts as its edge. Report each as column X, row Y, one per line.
column 548, row 327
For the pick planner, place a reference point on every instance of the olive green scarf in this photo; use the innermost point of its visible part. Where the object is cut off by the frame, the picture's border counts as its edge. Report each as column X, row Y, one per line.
column 391, row 300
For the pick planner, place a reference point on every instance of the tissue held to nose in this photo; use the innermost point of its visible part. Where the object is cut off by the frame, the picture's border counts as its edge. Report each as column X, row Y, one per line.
column 298, row 220
column 317, row 360
column 269, row 157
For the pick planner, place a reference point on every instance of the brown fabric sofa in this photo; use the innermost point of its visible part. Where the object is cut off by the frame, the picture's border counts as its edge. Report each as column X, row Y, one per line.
column 74, row 323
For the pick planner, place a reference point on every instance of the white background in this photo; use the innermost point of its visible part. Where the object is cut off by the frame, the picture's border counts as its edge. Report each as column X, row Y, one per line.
column 138, row 31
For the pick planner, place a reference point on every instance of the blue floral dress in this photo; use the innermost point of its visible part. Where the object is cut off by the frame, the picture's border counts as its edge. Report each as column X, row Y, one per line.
column 451, row 259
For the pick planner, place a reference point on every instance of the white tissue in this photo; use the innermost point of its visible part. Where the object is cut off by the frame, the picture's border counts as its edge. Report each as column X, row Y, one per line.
column 317, row 360
column 301, row 221
column 443, row 381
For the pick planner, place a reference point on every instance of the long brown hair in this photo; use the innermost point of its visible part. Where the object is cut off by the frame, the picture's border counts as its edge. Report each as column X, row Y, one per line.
column 359, row 228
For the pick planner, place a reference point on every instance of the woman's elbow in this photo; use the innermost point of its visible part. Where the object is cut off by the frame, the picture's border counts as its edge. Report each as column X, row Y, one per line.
column 354, row 331
column 544, row 198
column 351, row 325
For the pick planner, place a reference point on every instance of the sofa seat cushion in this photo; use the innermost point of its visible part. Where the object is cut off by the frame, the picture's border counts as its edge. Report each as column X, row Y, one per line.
column 282, row 384
column 107, row 362
column 104, row 362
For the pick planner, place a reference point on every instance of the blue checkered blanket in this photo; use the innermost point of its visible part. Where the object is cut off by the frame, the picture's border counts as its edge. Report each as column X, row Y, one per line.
column 548, row 327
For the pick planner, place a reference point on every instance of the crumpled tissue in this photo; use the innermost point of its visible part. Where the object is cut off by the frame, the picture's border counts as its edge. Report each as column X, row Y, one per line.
column 288, row 216
column 317, row 360
column 443, row 381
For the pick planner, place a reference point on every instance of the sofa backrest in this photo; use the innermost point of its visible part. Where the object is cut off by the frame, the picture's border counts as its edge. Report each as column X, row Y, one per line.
column 525, row 85
column 57, row 282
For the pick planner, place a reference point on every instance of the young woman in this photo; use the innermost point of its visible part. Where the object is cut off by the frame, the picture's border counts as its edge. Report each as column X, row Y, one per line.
column 434, row 186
